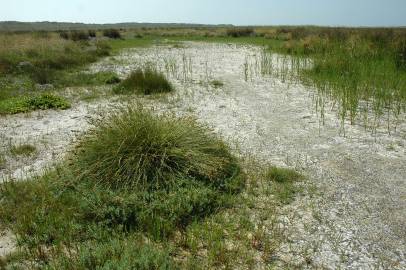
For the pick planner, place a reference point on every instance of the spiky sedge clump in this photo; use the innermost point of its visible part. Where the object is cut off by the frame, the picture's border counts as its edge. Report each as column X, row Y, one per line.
column 139, row 149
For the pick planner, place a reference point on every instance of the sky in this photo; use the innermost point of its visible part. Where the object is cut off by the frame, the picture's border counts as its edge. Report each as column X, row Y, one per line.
column 238, row 12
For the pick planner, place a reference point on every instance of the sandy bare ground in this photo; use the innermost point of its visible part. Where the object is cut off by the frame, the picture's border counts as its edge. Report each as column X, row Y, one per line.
column 354, row 218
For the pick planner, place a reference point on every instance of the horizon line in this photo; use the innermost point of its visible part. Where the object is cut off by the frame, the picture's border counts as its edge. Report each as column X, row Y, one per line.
column 211, row 24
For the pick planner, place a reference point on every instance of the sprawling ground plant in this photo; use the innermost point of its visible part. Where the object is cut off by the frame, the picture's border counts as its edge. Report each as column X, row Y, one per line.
column 23, row 104
column 134, row 173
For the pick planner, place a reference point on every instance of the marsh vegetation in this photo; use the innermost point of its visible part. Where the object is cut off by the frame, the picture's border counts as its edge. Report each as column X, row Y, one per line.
column 133, row 176
column 148, row 189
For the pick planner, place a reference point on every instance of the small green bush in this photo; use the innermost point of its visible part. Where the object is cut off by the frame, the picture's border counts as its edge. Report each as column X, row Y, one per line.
column 146, row 82
column 2, row 161
column 79, row 35
column 92, row 33
column 64, row 35
column 84, row 78
column 47, row 101
column 113, row 79
column 23, row 150
column 112, row 33
column 40, row 102
column 240, row 32
column 217, row 84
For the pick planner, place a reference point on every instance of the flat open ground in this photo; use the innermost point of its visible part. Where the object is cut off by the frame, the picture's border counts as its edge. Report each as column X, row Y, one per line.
column 351, row 214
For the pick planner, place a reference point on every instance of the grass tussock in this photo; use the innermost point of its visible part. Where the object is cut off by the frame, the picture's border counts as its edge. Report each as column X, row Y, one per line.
column 150, row 149
column 24, row 104
column 283, row 183
column 2, row 161
column 217, row 83
column 144, row 81
column 134, row 174
column 23, row 150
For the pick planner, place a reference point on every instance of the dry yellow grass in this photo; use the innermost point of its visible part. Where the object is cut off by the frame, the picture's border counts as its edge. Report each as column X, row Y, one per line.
column 17, row 43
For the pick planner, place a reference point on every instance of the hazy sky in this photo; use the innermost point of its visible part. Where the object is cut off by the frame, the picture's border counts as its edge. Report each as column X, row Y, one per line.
column 239, row 12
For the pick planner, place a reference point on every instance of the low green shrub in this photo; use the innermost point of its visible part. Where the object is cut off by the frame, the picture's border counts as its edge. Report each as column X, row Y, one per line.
column 79, row 35
column 39, row 102
column 2, row 162
column 115, row 254
column 112, row 33
column 147, row 82
column 240, row 32
column 217, row 83
column 85, row 79
column 47, row 101
column 23, row 150
column 64, row 35
column 92, row 33
column 113, row 79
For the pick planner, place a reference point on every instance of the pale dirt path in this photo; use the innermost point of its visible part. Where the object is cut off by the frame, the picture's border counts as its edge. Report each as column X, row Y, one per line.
column 356, row 219
column 51, row 132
